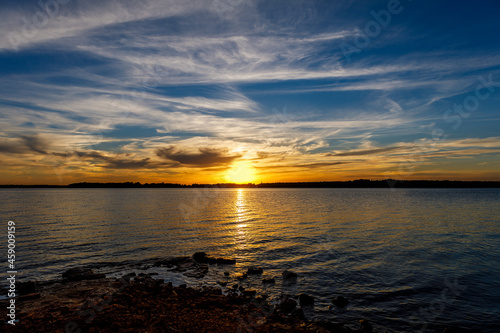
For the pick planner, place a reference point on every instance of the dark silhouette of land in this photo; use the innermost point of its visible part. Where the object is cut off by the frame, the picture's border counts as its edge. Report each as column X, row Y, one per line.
column 360, row 183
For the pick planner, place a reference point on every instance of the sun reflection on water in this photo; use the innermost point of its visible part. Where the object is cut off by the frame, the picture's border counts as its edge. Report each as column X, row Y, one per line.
column 241, row 227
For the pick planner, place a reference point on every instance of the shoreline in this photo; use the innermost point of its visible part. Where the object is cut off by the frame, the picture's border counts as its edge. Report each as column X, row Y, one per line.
column 140, row 303
column 86, row 301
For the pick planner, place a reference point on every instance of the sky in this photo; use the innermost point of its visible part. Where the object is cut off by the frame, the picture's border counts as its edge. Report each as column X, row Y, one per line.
column 248, row 91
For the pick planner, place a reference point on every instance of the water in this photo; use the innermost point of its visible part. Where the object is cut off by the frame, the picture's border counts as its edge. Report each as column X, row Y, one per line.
column 408, row 259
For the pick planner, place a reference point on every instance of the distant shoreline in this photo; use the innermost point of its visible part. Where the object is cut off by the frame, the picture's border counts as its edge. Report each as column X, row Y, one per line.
column 360, row 183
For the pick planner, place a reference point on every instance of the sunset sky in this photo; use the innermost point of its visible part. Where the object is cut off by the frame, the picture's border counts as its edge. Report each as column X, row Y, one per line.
column 248, row 91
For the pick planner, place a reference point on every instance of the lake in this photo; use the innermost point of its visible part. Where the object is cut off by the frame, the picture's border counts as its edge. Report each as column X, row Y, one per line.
column 409, row 260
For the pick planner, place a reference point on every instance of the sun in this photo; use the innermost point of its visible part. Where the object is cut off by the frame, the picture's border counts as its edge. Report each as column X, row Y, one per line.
column 241, row 173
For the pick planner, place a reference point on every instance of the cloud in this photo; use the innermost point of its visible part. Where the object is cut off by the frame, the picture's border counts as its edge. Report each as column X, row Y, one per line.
column 366, row 151
column 116, row 162
column 204, row 158
column 25, row 144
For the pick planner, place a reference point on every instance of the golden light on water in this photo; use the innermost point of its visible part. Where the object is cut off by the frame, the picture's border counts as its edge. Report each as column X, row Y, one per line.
column 242, row 172
column 241, row 219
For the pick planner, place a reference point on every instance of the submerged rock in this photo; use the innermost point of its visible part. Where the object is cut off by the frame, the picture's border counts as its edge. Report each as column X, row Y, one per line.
column 306, row 300
column 340, row 301
column 289, row 275
column 271, row 280
column 255, row 271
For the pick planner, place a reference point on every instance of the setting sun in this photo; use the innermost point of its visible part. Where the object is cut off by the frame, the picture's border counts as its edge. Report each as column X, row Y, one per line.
column 241, row 172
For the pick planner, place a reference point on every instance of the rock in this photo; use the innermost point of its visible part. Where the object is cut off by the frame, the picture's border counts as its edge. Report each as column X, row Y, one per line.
column 366, row 326
column 24, row 288
column 226, row 273
column 183, row 286
column 152, row 274
column 340, row 301
column 298, row 314
column 249, row 293
column 306, row 300
column 225, row 261
column 128, row 276
column 255, row 271
column 241, row 288
column 289, row 275
column 222, row 283
column 79, row 274
column 202, row 257
column 28, row 297
column 271, row 280
column 287, row 305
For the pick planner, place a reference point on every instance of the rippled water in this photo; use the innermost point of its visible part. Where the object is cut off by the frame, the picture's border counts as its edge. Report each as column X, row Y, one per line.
column 409, row 260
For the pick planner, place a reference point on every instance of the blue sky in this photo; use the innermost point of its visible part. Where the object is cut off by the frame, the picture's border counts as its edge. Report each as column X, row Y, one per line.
column 196, row 91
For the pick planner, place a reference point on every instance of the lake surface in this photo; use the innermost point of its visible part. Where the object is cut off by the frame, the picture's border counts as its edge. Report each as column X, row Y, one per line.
column 409, row 260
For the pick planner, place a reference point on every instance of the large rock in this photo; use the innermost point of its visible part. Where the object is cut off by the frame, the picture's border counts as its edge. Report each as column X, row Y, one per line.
column 79, row 274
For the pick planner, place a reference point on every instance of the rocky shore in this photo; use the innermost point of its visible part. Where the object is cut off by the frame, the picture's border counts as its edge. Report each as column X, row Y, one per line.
column 84, row 301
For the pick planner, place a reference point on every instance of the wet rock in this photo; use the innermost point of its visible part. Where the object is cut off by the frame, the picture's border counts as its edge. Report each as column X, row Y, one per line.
column 202, row 257
column 152, row 274
column 79, row 274
column 128, row 276
column 222, row 283
column 183, row 286
column 225, row 261
column 289, row 275
column 255, row 271
column 271, row 280
column 340, row 301
column 249, row 293
column 306, row 300
column 226, row 273
column 287, row 305
column 24, row 288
